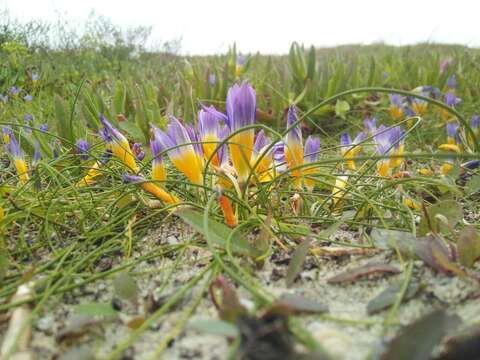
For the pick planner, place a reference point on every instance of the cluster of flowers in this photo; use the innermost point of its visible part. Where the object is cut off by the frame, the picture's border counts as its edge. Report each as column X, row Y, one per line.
column 228, row 146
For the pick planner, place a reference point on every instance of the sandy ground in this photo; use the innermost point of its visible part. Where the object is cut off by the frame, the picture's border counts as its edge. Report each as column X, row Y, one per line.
column 344, row 335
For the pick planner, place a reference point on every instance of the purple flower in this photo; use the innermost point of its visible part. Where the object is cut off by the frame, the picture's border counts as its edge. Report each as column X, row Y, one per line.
column 452, row 128
column 294, row 136
column 240, row 60
column 345, row 141
column 451, row 100
column 13, row 90
column 261, row 141
column 370, row 125
column 241, row 105
column 28, row 98
column 14, row 147
column 436, row 93
column 311, row 151
column 444, row 63
column 28, row 117
column 396, row 136
column 37, row 155
column 383, row 140
column 132, row 178
column 279, row 157
column 212, row 79
column 409, row 112
column 82, row 148
column 397, row 100
column 452, row 82
column 475, row 121
column 34, row 76
column 43, row 127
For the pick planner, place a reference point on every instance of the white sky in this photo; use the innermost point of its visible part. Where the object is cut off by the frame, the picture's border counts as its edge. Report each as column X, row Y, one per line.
column 210, row 26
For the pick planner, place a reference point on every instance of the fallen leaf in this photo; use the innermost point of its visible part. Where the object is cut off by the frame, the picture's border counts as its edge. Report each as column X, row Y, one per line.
column 433, row 251
column 296, row 262
column 362, row 271
column 135, row 322
column 389, row 296
column 468, row 246
column 336, row 251
column 417, row 340
column 297, row 304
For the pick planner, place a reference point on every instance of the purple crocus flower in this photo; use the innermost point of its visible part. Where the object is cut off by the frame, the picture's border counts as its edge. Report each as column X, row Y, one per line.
column 82, row 148
column 444, row 63
column 451, row 100
column 436, row 93
column 383, row 140
column 452, row 82
column 370, row 125
column 409, row 112
column 28, row 117
column 311, row 151
column 261, row 141
column 474, row 122
column 185, row 157
column 34, row 76
column 294, row 136
column 241, row 106
column 212, row 79
column 14, row 90
column 279, row 160
column 43, row 127
column 37, row 154
column 138, row 152
column 453, row 136
column 397, row 100
column 28, row 98
column 132, row 179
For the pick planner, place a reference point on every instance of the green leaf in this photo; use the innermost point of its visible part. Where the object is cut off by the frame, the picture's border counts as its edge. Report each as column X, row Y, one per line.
column 218, row 232
column 95, row 309
column 341, row 108
column 3, row 263
column 468, row 246
column 473, row 185
column 450, row 209
column 214, row 327
column 296, row 262
column 125, row 286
